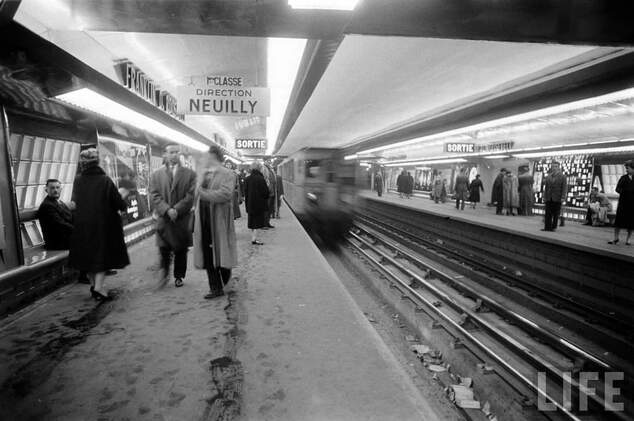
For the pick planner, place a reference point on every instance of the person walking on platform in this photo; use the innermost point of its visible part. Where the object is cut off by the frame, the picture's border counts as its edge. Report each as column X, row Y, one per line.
column 279, row 191
column 56, row 218
column 474, row 191
column 215, row 247
column 555, row 191
column 437, row 187
column 625, row 208
column 378, row 183
column 525, row 182
column 497, row 192
column 461, row 189
column 510, row 193
column 256, row 194
column 172, row 190
column 97, row 243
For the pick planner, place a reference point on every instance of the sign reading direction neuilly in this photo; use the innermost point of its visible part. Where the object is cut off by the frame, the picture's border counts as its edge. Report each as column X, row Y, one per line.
column 223, row 96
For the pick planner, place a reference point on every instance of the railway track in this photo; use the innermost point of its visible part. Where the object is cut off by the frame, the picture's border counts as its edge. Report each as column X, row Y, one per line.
column 481, row 318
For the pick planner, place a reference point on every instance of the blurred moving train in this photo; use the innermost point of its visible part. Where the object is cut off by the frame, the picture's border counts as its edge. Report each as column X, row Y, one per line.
column 320, row 188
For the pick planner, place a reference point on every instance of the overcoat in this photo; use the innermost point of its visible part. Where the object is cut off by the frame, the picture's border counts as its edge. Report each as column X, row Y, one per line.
column 177, row 192
column 511, row 197
column 525, row 182
column 462, row 187
column 56, row 221
column 497, row 191
column 625, row 208
column 474, row 190
column 401, row 183
column 217, row 188
column 256, row 194
column 555, row 188
column 97, row 243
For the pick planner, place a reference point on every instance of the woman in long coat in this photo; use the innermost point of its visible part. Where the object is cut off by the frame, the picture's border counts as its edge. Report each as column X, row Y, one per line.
column 437, row 187
column 625, row 209
column 525, row 182
column 97, row 243
column 474, row 191
column 256, row 195
column 215, row 247
column 510, row 193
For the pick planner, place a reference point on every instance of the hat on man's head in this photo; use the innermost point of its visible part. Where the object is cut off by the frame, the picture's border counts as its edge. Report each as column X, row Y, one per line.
column 89, row 155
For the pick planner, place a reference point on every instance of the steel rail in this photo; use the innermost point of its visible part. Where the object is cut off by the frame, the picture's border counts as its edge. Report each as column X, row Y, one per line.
column 521, row 350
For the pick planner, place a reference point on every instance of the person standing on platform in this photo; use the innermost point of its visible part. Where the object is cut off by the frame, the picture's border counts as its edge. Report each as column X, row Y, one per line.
column 461, row 189
column 172, row 190
column 409, row 185
column 269, row 176
column 215, row 247
column 401, row 182
column 474, row 191
column 237, row 193
column 56, row 218
column 525, row 182
column 555, row 191
column 510, row 193
column 97, row 243
column 437, row 187
column 497, row 192
column 256, row 195
column 378, row 183
column 625, row 209
column 279, row 191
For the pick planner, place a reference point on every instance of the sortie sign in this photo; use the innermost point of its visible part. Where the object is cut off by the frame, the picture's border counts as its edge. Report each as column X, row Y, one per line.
column 224, row 96
column 251, row 144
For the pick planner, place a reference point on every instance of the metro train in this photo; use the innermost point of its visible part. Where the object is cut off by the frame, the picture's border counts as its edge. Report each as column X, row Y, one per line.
column 320, row 188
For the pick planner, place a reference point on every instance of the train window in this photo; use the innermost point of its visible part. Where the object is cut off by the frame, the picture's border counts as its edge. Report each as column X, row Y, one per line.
column 313, row 168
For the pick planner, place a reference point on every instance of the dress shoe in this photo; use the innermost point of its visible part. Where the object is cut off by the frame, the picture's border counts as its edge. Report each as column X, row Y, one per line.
column 111, row 272
column 270, row 226
column 214, row 294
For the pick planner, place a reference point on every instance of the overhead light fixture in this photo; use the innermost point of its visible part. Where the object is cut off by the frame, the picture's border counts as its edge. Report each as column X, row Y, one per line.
column 94, row 102
column 428, row 162
column 350, row 157
column 540, row 113
column 575, row 152
column 365, row 164
column 496, row 157
column 323, row 4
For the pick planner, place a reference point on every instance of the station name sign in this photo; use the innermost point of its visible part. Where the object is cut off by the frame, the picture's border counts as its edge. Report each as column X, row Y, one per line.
column 251, row 144
column 224, row 96
column 138, row 82
column 475, row 148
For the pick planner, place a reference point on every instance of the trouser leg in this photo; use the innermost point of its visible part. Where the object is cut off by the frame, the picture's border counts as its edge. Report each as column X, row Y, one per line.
column 166, row 260
column 548, row 216
column 225, row 275
column 556, row 214
column 180, row 263
column 213, row 275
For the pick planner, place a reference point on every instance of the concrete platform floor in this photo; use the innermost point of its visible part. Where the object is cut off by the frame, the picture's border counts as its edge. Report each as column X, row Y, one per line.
column 573, row 234
column 287, row 343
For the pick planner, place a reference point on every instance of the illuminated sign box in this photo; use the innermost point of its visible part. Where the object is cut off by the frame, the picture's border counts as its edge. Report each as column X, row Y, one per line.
column 259, row 144
column 460, row 147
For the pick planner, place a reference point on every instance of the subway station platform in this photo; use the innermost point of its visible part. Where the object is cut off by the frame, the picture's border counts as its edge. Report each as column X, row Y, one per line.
column 572, row 235
column 286, row 343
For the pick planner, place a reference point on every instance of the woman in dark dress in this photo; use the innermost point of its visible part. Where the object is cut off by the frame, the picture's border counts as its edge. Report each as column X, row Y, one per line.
column 474, row 191
column 256, row 195
column 97, row 243
column 525, row 181
column 625, row 209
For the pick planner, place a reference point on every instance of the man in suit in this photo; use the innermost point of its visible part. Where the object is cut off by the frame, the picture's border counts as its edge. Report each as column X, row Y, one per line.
column 56, row 218
column 172, row 190
column 555, row 191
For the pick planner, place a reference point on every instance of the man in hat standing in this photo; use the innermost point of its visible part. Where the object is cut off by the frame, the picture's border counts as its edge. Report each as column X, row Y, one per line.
column 172, row 190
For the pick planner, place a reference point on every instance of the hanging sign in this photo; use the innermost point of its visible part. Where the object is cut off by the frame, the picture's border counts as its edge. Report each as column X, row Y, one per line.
column 459, row 147
column 259, row 144
column 138, row 82
column 224, row 96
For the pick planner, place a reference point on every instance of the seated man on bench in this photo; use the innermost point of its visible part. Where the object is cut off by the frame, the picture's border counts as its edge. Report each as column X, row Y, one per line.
column 598, row 208
column 56, row 218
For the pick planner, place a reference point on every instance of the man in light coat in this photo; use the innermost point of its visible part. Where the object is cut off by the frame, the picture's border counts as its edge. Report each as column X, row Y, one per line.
column 215, row 248
column 172, row 190
column 555, row 191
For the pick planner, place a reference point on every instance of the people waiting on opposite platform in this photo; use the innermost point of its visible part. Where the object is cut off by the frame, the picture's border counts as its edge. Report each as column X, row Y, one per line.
column 474, row 191
column 497, row 192
column 510, row 193
column 215, row 247
column 437, row 186
column 598, row 208
column 401, row 184
column 625, row 208
column 525, row 183
column 256, row 194
column 409, row 185
column 172, row 190
column 461, row 189
column 555, row 191
column 97, row 243
column 378, row 183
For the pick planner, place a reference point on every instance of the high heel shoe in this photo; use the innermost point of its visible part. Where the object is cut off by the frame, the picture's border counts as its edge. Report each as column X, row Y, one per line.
column 99, row 296
column 614, row 241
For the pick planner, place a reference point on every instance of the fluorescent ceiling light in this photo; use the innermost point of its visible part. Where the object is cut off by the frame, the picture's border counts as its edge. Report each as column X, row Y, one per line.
column 283, row 59
column 323, row 4
column 495, row 157
column 92, row 101
column 365, row 164
column 541, row 113
column 575, row 152
column 427, row 162
column 350, row 157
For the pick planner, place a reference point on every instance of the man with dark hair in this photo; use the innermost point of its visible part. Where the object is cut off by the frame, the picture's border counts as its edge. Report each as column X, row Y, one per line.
column 56, row 218
column 172, row 190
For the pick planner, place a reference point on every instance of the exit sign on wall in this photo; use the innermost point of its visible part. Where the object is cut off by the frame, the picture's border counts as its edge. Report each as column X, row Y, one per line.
column 251, row 144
